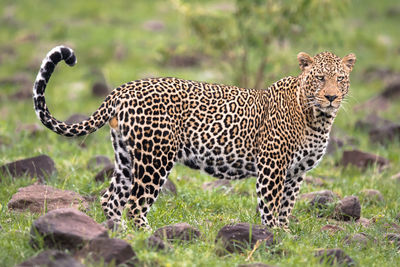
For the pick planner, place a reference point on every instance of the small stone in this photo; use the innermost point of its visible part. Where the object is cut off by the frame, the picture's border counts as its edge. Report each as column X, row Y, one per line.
column 40, row 198
column 385, row 134
column 178, row 232
column 360, row 240
column 257, row 264
column 98, row 162
column 65, row 229
column 76, row 118
column 241, row 236
column 169, row 187
column 100, row 89
column 157, row 243
column 314, row 181
column 105, row 174
column 334, row 144
column 154, row 25
column 107, row 250
column 364, row 222
column 31, row 128
column 328, row 194
column 348, row 208
column 331, row 228
column 372, row 195
column 39, row 166
column 372, row 121
column 51, row 258
column 363, row 160
column 396, row 177
column 221, row 185
column 111, row 225
column 334, row 256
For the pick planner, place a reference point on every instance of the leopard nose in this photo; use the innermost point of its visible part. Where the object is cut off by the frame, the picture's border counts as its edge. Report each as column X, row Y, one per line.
column 331, row 97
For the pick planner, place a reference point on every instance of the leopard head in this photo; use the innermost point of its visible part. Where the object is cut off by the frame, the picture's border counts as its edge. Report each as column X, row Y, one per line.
column 324, row 80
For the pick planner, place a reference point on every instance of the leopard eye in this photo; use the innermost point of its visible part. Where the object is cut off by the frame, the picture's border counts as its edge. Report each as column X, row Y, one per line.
column 340, row 78
column 320, row 77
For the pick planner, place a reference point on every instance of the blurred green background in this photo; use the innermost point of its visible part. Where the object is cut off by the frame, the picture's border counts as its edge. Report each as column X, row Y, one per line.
column 245, row 43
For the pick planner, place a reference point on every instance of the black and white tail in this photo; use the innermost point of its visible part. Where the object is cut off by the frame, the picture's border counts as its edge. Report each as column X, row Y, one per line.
column 100, row 117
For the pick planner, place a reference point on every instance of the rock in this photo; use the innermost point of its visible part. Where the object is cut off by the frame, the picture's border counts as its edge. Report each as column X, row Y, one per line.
column 157, row 243
column 385, row 134
column 75, row 118
column 111, row 225
column 363, row 160
column 100, row 89
column 154, row 25
column 375, row 103
column 220, row 185
column 178, row 232
column 348, row 208
column 106, row 250
column 331, row 228
column 65, row 229
column 40, row 198
column 30, row 128
column 360, row 240
column 314, row 181
column 105, row 174
column 393, row 238
column 168, row 187
column 396, row 177
column 392, row 89
column 334, row 256
column 333, row 145
column 364, row 222
column 242, row 236
column 257, row 264
column 372, row 195
column 23, row 82
column 51, row 258
column 98, row 162
column 39, row 166
column 370, row 122
column 327, row 194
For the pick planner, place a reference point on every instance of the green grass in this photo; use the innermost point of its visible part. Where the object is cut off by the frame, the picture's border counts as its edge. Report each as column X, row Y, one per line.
column 96, row 29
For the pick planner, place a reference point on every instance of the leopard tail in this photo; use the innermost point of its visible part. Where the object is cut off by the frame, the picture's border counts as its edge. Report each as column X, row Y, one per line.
column 100, row 117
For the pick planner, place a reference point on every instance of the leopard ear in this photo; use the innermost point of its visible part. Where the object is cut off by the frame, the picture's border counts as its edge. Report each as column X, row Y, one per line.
column 349, row 61
column 304, row 60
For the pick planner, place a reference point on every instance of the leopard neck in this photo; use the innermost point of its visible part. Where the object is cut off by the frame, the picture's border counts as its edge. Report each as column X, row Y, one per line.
column 317, row 121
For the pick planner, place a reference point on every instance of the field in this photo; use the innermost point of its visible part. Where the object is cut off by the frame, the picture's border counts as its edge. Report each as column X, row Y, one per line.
column 119, row 41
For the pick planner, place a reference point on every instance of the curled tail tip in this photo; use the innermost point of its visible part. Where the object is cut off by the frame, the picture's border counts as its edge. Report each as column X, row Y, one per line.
column 62, row 52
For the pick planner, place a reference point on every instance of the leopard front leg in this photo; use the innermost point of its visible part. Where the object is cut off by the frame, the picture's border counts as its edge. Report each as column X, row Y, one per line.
column 290, row 192
column 271, row 173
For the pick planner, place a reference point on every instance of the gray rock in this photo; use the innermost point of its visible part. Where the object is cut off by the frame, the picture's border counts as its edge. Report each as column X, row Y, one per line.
column 372, row 195
column 178, row 232
column 105, row 174
column 39, row 198
column 334, row 256
column 169, row 187
column 31, row 128
column 360, row 240
column 327, row 195
column 100, row 89
column 39, row 166
column 363, row 160
column 65, row 229
column 107, row 250
column 241, row 236
column 221, row 185
column 98, row 162
column 393, row 238
column 348, row 208
column 314, row 181
column 332, row 228
column 51, row 258
column 157, row 243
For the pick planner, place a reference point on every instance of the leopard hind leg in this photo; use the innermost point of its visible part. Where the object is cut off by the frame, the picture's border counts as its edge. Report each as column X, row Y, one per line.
column 114, row 199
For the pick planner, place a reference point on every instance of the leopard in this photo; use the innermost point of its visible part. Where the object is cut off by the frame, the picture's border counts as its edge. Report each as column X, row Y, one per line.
column 276, row 134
